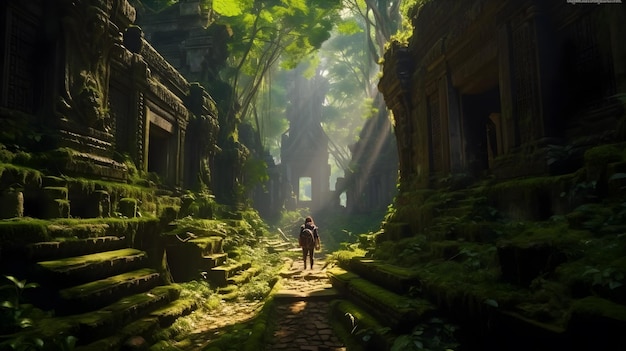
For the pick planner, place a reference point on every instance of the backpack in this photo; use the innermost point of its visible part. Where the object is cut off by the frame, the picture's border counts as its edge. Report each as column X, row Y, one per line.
column 307, row 240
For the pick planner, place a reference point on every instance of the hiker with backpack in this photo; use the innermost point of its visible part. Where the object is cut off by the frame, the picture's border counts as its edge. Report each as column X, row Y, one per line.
column 309, row 240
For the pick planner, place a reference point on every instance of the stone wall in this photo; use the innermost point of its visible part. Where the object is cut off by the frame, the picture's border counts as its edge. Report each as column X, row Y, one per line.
column 497, row 87
column 81, row 83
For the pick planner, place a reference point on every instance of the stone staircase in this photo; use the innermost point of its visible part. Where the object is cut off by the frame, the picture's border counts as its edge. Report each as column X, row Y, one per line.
column 99, row 289
column 202, row 256
column 377, row 303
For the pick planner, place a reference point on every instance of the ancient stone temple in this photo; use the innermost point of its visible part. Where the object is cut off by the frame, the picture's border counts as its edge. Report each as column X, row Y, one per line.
column 510, row 121
column 485, row 87
column 85, row 80
column 304, row 147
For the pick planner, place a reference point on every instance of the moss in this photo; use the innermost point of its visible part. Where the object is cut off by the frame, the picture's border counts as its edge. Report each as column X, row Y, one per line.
column 595, row 306
column 127, row 207
column 20, row 231
column 17, row 175
column 85, row 290
column 80, row 261
column 600, row 156
column 358, row 329
column 557, row 234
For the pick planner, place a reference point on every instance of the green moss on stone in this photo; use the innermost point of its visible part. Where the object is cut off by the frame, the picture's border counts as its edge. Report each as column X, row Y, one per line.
column 596, row 306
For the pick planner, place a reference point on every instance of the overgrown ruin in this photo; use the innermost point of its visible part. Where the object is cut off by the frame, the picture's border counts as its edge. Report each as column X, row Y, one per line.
column 119, row 179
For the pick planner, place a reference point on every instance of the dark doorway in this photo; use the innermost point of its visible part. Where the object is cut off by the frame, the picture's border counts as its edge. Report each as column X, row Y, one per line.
column 158, row 152
column 481, row 129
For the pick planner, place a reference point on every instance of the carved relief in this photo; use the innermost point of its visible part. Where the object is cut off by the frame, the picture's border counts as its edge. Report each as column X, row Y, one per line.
column 87, row 48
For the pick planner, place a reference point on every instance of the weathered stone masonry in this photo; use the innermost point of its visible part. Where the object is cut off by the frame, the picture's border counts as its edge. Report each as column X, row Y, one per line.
column 81, row 76
column 486, row 86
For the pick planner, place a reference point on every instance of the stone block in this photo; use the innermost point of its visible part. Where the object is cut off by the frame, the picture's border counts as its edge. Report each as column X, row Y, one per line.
column 11, row 204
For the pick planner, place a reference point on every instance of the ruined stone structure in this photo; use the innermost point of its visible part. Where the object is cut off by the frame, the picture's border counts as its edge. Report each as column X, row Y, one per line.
column 304, row 147
column 509, row 117
column 81, row 76
column 486, row 86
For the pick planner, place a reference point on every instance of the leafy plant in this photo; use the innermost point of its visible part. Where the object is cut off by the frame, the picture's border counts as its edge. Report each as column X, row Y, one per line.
column 435, row 335
column 609, row 277
column 12, row 312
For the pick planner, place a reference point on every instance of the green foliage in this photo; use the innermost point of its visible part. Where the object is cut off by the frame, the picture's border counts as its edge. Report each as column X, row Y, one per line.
column 436, row 335
column 607, row 277
column 14, row 315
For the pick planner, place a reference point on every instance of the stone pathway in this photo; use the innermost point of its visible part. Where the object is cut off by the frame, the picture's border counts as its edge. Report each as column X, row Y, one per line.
column 301, row 311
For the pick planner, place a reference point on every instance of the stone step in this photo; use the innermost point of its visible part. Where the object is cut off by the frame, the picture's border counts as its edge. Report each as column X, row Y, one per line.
column 63, row 247
column 108, row 327
column 136, row 333
column 398, row 312
column 174, row 310
column 214, row 260
column 99, row 293
column 219, row 275
column 188, row 258
column 397, row 279
column 209, row 245
column 279, row 247
column 106, row 322
column 243, row 276
column 86, row 268
column 356, row 321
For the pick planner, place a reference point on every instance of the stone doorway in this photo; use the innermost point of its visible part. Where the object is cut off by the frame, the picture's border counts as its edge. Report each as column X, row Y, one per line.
column 482, row 129
column 159, row 159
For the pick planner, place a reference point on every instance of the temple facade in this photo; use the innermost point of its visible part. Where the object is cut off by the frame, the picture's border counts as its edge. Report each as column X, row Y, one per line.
column 82, row 78
column 502, row 87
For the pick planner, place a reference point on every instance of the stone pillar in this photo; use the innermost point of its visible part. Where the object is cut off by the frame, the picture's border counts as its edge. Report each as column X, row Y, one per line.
column 509, row 126
column 454, row 135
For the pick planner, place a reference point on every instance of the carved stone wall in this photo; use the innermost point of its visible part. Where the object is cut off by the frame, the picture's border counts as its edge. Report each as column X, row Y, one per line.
column 546, row 69
column 84, row 78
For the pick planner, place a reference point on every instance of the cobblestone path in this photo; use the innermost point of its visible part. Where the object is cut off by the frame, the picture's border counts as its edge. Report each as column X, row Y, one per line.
column 301, row 311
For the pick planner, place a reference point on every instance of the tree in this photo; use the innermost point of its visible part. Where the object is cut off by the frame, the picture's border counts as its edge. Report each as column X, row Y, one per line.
column 264, row 34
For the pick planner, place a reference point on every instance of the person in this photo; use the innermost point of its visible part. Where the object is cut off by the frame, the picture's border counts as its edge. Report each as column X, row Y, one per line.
column 309, row 248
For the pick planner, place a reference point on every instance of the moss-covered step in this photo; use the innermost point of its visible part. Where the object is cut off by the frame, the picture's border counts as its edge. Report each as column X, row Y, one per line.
column 214, row 260
column 107, row 321
column 175, row 309
column 397, row 279
column 145, row 327
column 209, row 245
column 81, row 269
column 357, row 328
column 99, row 293
column 68, row 247
column 244, row 276
column 278, row 246
column 597, row 324
column 186, row 257
column 398, row 312
column 219, row 276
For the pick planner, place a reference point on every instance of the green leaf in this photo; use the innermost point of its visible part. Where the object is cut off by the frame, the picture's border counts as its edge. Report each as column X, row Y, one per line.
column 618, row 176
column 491, row 302
column 13, row 280
column 228, row 8
column 591, row 271
column 26, row 322
column 31, row 285
column 349, row 27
